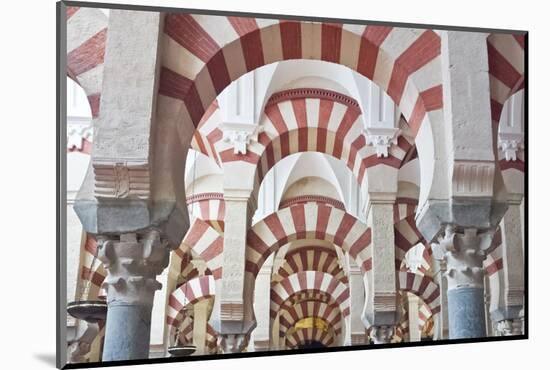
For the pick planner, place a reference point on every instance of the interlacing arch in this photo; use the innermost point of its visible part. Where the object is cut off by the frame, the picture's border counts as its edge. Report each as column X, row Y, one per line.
column 506, row 54
column 312, row 258
column 205, row 241
column 209, row 207
column 301, row 120
column 92, row 272
column 86, row 37
column 310, row 281
column 422, row 286
column 308, row 336
column 307, row 221
column 193, row 291
column 203, row 54
column 330, row 313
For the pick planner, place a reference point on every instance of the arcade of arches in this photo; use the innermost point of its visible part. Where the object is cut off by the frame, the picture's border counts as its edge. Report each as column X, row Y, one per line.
column 246, row 184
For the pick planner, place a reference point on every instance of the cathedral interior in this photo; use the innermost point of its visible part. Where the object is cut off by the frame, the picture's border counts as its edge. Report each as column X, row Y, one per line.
column 242, row 184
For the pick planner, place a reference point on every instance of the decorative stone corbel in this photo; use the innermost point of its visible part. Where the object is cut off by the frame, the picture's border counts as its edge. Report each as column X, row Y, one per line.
column 382, row 138
column 510, row 144
column 240, row 135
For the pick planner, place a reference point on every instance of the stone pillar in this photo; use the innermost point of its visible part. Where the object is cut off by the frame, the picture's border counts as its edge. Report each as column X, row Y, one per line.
column 441, row 327
column 132, row 263
column 357, row 297
column 464, row 252
column 236, row 316
column 383, row 291
column 414, row 330
column 510, row 302
column 200, row 320
column 261, row 308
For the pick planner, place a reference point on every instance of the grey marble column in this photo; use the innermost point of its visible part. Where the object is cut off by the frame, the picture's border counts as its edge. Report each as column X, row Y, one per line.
column 132, row 264
column 464, row 251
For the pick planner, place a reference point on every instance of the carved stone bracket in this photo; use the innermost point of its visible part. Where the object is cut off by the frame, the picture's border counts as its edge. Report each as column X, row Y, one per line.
column 132, row 263
column 240, row 135
column 510, row 144
column 381, row 334
column 382, row 138
column 473, row 178
column 464, row 254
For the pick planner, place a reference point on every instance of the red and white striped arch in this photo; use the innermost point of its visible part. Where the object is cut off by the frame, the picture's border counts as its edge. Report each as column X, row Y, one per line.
column 308, row 221
column 92, row 272
column 307, row 336
column 422, row 286
column 189, row 293
column 311, row 119
column 205, row 241
column 202, row 54
column 330, row 313
column 310, row 281
column 312, row 258
column 506, row 54
column 406, row 236
column 209, row 207
column 86, row 37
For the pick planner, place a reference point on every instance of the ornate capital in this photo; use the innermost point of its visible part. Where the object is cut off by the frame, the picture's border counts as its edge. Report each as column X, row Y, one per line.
column 382, row 138
column 508, row 327
column 510, row 144
column 463, row 253
column 240, row 135
column 133, row 262
column 233, row 343
column 382, row 334
column 77, row 133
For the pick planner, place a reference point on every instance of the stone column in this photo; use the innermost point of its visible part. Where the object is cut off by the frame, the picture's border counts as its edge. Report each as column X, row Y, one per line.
column 464, row 252
column 132, row 263
column 383, row 317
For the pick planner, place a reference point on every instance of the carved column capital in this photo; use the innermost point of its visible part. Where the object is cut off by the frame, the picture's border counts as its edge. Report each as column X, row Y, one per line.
column 240, row 135
column 510, row 144
column 133, row 261
column 382, row 138
column 381, row 334
column 463, row 253
column 508, row 327
column 233, row 343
